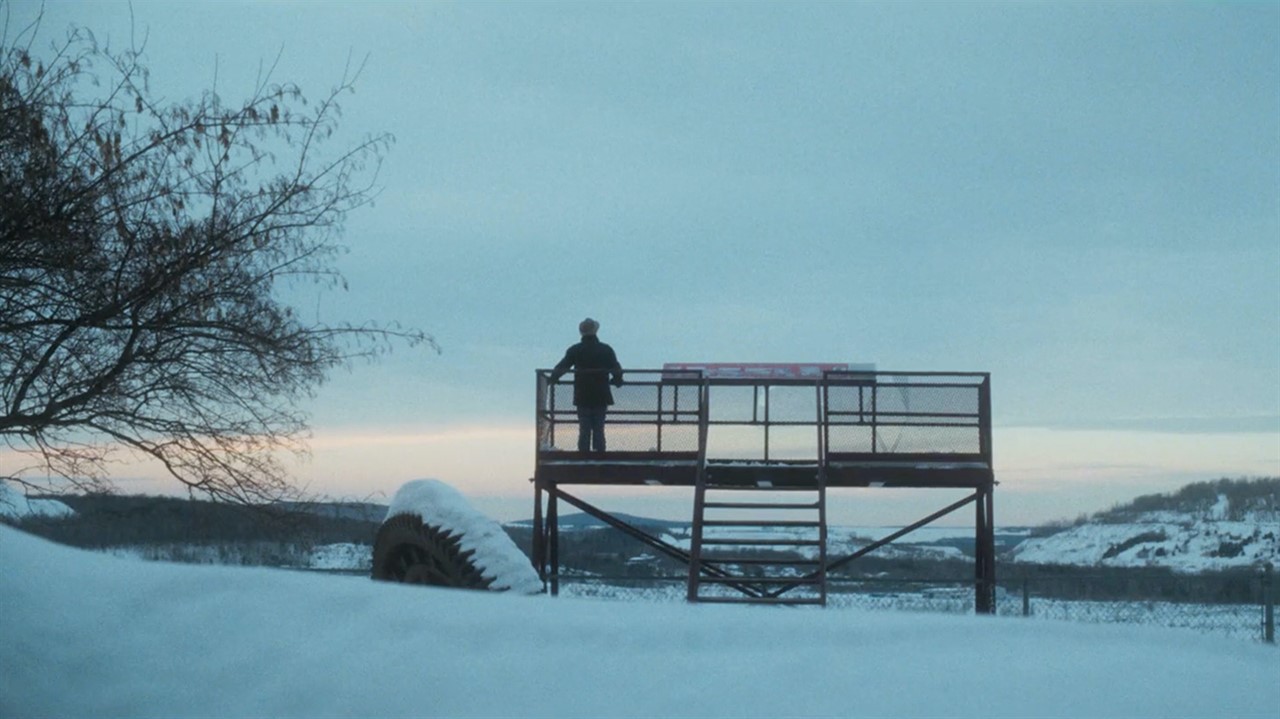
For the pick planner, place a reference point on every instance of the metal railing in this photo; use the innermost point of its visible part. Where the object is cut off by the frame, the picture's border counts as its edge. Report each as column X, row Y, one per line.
column 854, row 414
column 651, row 413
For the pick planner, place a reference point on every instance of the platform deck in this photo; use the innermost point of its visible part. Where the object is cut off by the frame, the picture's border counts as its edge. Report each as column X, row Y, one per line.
column 680, row 469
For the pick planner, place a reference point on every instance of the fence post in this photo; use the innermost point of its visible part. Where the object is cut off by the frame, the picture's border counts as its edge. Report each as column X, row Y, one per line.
column 1026, row 598
column 1268, row 605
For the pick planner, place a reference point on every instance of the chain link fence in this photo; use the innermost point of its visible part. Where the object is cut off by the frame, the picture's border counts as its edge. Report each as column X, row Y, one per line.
column 1245, row 608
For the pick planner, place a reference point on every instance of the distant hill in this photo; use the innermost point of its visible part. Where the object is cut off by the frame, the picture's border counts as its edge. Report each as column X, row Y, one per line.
column 1222, row 524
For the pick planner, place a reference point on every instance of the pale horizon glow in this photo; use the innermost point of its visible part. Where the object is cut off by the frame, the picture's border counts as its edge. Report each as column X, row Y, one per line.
column 1044, row 475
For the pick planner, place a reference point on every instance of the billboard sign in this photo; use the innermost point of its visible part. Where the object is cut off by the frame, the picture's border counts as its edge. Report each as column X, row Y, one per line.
column 760, row 370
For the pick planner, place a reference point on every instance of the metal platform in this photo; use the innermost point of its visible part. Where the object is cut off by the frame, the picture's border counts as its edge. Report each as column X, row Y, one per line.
column 777, row 428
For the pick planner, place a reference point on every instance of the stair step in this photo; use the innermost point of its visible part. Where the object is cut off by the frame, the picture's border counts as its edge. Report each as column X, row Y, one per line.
column 762, row 560
column 759, row 600
column 760, row 505
column 763, row 542
column 754, row 487
column 760, row 523
column 798, row 581
column 801, row 493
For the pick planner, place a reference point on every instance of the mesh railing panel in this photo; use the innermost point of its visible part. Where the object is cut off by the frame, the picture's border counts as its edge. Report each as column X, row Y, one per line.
column 850, row 438
column 623, row 437
column 648, row 415
column 682, row 398
column 927, row 401
column 793, row 442
column 735, row 442
column 904, row 415
column 892, row 414
column 793, row 404
column 850, row 403
column 899, row 439
column 735, row 404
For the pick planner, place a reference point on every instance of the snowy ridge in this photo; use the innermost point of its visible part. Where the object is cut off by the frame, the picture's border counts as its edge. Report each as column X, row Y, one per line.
column 16, row 505
column 1184, row 542
column 496, row 555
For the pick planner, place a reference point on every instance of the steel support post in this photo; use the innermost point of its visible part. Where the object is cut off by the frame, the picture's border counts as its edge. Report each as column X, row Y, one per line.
column 538, row 548
column 695, row 543
column 984, row 554
column 699, row 496
column 553, row 540
column 1269, row 605
column 991, row 546
column 979, row 554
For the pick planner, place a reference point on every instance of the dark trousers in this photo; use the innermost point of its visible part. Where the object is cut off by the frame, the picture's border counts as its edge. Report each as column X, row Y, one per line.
column 591, row 428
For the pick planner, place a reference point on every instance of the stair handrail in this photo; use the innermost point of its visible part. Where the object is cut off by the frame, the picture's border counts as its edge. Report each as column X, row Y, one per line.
column 699, row 491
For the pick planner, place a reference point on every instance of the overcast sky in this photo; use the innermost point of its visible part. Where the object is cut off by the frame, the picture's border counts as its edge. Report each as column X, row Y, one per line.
column 1082, row 199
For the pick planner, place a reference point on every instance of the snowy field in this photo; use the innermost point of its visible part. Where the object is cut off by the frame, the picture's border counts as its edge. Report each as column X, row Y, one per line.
column 86, row 634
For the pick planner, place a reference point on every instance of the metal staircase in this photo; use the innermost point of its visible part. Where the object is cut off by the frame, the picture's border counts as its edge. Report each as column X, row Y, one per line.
column 757, row 543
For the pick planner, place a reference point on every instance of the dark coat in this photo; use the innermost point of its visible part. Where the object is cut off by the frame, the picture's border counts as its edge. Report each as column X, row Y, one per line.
column 593, row 362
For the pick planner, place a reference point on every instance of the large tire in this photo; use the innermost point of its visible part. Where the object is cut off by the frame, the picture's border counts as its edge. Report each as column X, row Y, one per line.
column 407, row 550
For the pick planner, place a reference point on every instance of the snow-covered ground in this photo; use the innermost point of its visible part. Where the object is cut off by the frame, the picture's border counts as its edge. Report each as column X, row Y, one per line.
column 86, row 634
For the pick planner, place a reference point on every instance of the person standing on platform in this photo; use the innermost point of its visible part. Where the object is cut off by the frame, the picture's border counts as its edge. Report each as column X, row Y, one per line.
column 594, row 364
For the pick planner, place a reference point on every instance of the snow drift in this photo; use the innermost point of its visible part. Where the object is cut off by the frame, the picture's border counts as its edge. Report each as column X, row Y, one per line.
column 16, row 505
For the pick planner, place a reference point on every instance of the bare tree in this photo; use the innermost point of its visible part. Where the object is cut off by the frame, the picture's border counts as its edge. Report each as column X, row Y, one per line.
column 143, row 249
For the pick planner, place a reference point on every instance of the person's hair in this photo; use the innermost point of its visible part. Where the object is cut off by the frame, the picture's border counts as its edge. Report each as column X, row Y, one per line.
column 588, row 327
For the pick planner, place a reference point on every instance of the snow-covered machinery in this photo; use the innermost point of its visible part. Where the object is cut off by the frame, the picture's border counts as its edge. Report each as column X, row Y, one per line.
column 433, row 536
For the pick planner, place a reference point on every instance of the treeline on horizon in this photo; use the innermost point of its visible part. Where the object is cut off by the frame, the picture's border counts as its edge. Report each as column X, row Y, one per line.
column 108, row 520
column 103, row 520
column 1245, row 497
